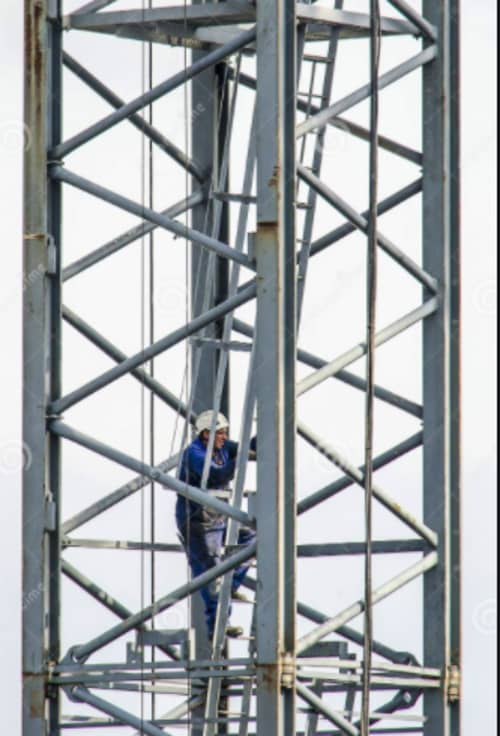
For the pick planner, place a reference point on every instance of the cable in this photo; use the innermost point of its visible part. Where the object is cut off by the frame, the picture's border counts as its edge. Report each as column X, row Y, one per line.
column 370, row 344
column 152, row 447
column 143, row 344
column 185, row 380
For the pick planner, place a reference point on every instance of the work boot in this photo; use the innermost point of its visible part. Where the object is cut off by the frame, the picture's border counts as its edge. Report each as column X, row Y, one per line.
column 237, row 595
column 234, row 632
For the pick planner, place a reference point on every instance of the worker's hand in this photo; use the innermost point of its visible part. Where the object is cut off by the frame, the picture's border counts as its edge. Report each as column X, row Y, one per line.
column 252, row 455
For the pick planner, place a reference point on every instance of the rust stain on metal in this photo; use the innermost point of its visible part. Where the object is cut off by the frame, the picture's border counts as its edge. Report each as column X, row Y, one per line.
column 33, row 53
column 268, row 228
column 36, row 701
column 273, row 181
column 270, row 676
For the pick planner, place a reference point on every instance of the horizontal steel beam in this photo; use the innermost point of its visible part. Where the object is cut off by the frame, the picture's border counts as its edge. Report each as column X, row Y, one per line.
column 389, row 546
column 210, row 14
column 120, row 544
column 176, row 668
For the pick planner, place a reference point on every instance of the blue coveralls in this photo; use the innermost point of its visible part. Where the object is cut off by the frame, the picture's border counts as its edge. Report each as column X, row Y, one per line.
column 202, row 529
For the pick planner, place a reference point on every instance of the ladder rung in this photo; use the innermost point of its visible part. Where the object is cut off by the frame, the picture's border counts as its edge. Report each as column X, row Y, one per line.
column 306, row 94
column 318, row 59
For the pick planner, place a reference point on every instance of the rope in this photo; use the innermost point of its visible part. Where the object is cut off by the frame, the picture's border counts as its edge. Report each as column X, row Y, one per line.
column 370, row 343
column 185, row 379
column 143, row 345
column 152, row 447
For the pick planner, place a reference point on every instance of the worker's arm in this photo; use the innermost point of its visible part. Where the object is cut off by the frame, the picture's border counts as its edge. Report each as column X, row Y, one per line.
column 218, row 475
column 232, row 448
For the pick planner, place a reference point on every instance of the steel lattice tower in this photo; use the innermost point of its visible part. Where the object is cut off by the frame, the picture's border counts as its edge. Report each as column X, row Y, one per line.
column 261, row 184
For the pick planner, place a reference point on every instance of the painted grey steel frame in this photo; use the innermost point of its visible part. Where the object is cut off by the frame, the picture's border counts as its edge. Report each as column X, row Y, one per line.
column 279, row 666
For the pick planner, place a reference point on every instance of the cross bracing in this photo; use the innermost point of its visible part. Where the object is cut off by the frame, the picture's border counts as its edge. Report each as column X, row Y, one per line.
column 230, row 203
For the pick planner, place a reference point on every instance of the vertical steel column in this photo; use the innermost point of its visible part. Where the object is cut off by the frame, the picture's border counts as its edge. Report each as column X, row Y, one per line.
column 440, row 366
column 209, row 100
column 275, row 363
column 36, row 350
column 455, row 380
column 54, row 217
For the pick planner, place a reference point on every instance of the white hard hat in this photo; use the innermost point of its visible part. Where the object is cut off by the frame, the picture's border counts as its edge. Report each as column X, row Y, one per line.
column 204, row 421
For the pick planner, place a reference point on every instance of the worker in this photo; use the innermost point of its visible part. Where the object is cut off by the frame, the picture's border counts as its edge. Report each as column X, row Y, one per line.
column 203, row 530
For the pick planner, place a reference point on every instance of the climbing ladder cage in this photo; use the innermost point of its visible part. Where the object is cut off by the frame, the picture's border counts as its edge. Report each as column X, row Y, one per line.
column 217, row 196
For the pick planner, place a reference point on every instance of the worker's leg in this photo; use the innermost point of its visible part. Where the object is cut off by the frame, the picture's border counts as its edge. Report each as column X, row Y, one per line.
column 203, row 546
column 245, row 537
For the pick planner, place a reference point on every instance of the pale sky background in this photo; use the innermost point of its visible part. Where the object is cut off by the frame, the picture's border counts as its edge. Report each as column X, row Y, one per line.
column 337, row 287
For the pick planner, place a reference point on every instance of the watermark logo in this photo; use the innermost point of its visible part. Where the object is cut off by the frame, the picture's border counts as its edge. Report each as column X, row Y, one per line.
column 485, row 297
column 172, row 619
column 170, row 298
column 32, row 596
column 484, row 616
column 331, row 456
column 14, row 456
column 335, row 140
column 15, row 136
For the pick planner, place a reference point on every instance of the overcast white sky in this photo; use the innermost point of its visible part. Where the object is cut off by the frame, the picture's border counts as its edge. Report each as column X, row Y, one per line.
column 479, row 317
